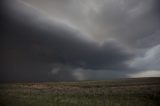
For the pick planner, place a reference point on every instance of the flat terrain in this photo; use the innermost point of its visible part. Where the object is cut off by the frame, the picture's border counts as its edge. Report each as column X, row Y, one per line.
column 122, row 92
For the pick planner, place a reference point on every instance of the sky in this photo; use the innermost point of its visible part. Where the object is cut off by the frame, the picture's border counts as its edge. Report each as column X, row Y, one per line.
column 71, row 40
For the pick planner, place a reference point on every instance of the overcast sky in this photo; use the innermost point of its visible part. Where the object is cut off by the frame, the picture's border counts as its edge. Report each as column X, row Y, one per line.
column 68, row 40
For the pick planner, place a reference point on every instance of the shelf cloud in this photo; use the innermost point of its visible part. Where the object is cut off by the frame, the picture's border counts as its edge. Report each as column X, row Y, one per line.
column 68, row 40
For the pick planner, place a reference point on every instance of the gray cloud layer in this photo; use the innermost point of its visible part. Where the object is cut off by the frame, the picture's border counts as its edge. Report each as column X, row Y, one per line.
column 76, row 40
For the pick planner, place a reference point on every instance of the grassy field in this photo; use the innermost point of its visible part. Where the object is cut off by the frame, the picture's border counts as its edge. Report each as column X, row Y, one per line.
column 122, row 92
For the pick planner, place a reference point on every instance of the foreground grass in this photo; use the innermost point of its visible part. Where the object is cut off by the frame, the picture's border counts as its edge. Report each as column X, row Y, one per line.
column 124, row 92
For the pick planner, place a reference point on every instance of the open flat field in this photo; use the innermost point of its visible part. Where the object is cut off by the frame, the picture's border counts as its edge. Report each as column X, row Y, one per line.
column 122, row 92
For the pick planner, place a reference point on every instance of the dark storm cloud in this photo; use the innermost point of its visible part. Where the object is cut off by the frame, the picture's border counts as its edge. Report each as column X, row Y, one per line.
column 32, row 48
column 76, row 40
